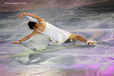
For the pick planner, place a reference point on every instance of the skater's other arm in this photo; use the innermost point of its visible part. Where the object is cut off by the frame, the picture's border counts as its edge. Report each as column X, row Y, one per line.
column 26, row 37
column 32, row 15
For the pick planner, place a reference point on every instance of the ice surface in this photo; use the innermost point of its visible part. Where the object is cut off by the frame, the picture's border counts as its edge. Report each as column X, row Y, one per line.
column 35, row 58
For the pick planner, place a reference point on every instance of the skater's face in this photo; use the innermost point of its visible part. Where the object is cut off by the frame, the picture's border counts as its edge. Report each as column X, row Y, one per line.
column 32, row 25
column 35, row 26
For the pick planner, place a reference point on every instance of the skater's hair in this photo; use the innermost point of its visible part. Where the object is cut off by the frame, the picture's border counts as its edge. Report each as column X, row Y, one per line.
column 31, row 24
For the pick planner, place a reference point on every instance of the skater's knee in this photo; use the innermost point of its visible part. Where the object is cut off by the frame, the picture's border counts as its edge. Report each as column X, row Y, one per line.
column 78, row 37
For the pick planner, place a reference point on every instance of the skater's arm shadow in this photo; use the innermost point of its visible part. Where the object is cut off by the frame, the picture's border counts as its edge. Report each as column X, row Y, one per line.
column 34, row 59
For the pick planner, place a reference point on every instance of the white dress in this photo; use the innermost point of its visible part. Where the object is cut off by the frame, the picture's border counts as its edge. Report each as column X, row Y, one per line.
column 57, row 35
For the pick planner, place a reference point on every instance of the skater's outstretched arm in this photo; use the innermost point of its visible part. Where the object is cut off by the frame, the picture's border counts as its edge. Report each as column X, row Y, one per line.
column 32, row 15
column 26, row 37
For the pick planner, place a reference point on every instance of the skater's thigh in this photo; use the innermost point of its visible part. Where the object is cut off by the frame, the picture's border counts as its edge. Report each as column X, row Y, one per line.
column 73, row 36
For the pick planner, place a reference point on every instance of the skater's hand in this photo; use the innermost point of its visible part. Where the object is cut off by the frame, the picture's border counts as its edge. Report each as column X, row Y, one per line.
column 16, row 42
column 21, row 15
column 91, row 42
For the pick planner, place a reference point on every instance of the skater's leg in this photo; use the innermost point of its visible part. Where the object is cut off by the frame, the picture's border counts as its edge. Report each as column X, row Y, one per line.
column 74, row 37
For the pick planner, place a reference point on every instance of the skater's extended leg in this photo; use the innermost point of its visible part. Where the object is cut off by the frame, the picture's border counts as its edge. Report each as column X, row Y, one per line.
column 74, row 37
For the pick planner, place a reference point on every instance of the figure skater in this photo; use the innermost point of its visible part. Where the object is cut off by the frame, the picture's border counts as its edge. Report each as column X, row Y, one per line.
column 56, row 35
